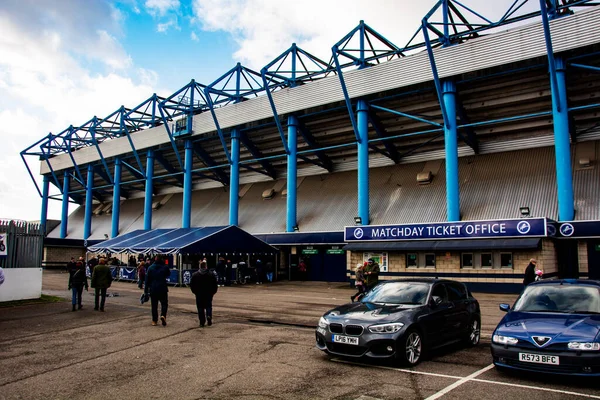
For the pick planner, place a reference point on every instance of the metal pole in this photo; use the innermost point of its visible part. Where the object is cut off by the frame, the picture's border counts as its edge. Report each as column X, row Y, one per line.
column 148, row 202
column 65, row 207
column 292, row 174
column 116, row 208
column 451, row 144
column 44, row 214
column 363, row 161
column 562, row 145
column 87, row 221
column 234, row 180
column 186, row 217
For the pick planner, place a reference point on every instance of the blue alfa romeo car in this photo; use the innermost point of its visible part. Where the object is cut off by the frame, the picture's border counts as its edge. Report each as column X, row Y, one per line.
column 554, row 327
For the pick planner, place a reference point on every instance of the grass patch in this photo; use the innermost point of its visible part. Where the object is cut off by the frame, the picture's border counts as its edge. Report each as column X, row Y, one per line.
column 42, row 300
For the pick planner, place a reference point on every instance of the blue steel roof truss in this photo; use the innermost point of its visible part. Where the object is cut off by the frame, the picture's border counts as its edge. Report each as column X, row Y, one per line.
column 449, row 21
column 291, row 76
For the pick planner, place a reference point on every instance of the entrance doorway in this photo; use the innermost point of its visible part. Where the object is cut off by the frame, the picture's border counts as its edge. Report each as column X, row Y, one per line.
column 593, row 251
column 567, row 258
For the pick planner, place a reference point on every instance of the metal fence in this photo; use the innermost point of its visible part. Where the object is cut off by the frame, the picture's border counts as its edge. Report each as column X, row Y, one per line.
column 23, row 244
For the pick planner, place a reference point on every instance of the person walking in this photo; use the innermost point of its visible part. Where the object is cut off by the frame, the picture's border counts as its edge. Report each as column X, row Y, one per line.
column 101, row 281
column 371, row 274
column 221, row 272
column 141, row 271
column 359, row 281
column 258, row 268
column 156, row 287
column 77, row 281
column 530, row 272
column 269, row 271
column 204, row 286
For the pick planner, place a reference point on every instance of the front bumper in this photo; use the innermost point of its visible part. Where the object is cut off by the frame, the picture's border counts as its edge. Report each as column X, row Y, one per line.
column 373, row 345
column 571, row 363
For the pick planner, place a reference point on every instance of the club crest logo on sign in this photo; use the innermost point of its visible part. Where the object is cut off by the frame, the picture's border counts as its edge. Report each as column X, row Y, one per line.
column 567, row 229
column 358, row 233
column 523, row 227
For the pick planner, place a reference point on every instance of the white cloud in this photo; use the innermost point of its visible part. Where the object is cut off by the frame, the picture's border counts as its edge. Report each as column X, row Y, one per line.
column 161, row 7
column 194, row 37
column 47, row 85
column 264, row 29
column 163, row 27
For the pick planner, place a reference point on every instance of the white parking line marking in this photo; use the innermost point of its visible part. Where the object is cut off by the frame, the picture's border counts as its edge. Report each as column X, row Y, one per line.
column 460, row 382
column 591, row 396
column 458, row 378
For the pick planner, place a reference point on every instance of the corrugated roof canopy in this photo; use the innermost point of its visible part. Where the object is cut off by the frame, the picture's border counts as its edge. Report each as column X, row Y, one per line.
column 213, row 239
column 448, row 245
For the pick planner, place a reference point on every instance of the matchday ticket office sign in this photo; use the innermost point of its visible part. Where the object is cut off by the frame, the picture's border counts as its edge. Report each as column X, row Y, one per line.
column 492, row 229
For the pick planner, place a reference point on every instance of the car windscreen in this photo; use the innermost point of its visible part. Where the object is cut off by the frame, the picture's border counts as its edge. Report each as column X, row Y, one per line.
column 559, row 298
column 398, row 293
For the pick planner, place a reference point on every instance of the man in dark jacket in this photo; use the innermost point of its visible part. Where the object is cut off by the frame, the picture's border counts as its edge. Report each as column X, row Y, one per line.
column 204, row 286
column 371, row 274
column 530, row 272
column 156, row 287
column 101, row 280
column 77, row 281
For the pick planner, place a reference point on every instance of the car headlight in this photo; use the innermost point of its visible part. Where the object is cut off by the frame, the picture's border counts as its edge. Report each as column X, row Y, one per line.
column 590, row 346
column 323, row 323
column 386, row 328
column 504, row 339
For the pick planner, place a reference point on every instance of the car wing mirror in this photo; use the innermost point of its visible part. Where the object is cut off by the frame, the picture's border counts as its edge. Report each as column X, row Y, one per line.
column 435, row 301
column 504, row 307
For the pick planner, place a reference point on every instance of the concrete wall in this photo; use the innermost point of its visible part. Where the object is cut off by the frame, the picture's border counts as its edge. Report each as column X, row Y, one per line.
column 21, row 284
column 58, row 257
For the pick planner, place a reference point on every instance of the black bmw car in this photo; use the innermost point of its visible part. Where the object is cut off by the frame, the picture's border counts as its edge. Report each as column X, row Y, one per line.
column 401, row 319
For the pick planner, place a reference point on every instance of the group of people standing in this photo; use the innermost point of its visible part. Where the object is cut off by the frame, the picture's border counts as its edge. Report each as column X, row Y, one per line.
column 100, row 282
column 366, row 276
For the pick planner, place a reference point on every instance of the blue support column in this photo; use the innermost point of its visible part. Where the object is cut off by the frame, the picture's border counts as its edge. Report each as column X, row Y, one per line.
column 116, row 207
column 87, row 221
column 362, row 118
column 64, row 216
column 292, row 174
column 148, row 202
column 234, row 179
column 186, row 216
column 451, row 144
column 45, row 190
column 562, row 145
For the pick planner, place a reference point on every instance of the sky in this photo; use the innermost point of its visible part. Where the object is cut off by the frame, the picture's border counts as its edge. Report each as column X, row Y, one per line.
column 64, row 61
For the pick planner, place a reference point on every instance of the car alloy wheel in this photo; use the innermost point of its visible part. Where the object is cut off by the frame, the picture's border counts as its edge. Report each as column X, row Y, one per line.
column 413, row 347
column 474, row 333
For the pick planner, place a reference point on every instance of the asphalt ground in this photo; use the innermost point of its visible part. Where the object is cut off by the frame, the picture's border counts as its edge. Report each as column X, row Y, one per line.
column 261, row 346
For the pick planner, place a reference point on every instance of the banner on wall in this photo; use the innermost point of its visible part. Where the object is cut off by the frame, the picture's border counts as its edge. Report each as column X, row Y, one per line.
column 3, row 245
column 379, row 258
